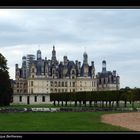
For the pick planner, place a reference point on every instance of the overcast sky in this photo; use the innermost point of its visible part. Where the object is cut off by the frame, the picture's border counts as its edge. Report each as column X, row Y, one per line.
column 110, row 34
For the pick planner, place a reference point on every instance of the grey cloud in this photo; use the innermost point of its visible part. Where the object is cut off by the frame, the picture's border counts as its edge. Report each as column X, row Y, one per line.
column 111, row 34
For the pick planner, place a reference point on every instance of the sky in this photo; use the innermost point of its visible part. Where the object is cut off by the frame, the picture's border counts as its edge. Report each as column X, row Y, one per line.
column 110, row 34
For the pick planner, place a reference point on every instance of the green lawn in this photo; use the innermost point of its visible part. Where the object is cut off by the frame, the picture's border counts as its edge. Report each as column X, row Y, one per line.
column 56, row 121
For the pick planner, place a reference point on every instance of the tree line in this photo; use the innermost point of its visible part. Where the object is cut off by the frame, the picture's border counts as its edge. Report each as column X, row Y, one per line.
column 96, row 98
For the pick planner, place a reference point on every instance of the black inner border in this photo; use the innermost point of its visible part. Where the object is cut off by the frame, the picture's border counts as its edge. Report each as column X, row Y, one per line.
column 64, row 4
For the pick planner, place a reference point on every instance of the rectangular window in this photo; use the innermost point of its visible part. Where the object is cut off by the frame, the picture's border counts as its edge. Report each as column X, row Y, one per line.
column 59, row 84
column 31, row 90
column 51, row 83
column 43, row 98
column 65, row 84
column 20, row 98
column 24, row 85
column 73, row 84
column 20, row 86
column 31, row 83
column 35, row 99
column 17, row 85
column 55, row 84
column 62, row 84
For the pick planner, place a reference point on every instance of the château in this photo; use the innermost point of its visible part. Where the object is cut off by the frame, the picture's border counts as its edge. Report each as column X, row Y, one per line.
column 38, row 78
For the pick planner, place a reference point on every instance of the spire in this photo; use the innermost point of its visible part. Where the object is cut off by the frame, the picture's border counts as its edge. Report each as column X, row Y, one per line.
column 53, row 48
column 85, row 58
column 53, row 54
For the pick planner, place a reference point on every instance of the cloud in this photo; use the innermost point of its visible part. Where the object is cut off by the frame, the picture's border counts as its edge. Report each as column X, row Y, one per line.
column 111, row 34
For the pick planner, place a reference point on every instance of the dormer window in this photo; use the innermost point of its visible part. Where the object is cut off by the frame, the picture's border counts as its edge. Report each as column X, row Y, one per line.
column 73, row 72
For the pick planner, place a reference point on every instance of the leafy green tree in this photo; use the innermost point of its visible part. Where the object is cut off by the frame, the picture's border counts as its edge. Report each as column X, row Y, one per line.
column 5, row 84
column 53, row 98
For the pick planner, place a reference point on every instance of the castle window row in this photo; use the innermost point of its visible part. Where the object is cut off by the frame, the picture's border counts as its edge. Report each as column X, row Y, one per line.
column 43, row 99
column 62, row 84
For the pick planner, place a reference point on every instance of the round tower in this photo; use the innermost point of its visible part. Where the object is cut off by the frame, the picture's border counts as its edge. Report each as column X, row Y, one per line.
column 38, row 55
column 23, row 67
column 103, row 66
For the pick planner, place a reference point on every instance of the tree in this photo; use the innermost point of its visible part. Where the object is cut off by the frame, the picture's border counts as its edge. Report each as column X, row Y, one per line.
column 5, row 84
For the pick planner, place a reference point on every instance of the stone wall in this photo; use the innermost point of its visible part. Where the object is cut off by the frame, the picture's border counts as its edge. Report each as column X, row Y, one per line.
column 31, row 99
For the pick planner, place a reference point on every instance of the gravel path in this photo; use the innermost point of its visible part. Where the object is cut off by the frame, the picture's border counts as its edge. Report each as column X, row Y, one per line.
column 129, row 120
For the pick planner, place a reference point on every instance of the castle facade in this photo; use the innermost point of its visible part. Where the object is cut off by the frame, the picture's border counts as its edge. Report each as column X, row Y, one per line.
column 38, row 78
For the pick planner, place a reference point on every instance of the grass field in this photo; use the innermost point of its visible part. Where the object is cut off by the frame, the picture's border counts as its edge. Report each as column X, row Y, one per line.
column 56, row 121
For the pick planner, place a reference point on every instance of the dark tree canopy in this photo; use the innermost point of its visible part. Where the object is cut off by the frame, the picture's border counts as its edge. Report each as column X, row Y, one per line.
column 5, row 84
column 3, row 63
